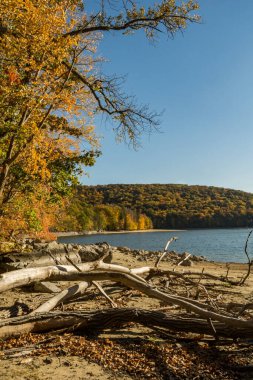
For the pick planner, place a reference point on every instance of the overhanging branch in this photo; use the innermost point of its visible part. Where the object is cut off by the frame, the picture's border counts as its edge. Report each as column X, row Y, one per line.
column 130, row 120
column 165, row 16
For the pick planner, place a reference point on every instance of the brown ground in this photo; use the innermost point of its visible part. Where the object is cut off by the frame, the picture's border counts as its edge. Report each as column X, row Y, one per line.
column 130, row 353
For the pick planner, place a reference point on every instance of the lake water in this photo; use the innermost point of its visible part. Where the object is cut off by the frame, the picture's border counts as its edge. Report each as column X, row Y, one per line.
column 215, row 244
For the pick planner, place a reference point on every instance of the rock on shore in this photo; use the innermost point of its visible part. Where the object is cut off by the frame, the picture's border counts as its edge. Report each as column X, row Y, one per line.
column 35, row 252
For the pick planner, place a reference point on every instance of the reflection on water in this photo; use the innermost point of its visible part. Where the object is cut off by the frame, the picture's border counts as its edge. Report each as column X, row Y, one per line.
column 215, row 244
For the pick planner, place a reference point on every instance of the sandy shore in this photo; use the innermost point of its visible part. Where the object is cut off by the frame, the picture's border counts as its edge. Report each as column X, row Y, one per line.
column 109, row 356
column 74, row 233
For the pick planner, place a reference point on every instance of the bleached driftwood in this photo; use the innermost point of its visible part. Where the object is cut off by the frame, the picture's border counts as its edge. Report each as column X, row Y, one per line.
column 99, row 287
column 28, row 276
column 184, row 259
column 134, row 283
column 207, row 317
column 67, row 294
column 165, row 251
column 45, row 254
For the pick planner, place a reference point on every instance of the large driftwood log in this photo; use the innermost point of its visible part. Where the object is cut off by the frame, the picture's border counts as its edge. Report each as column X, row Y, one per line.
column 49, row 254
column 210, row 321
column 147, row 289
column 93, row 321
column 28, row 276
column 44, row 254
column 15, row 261
column 71, row 274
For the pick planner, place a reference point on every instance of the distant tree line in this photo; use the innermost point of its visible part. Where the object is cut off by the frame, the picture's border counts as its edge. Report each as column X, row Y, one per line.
column 168, row 206
column 80, row 216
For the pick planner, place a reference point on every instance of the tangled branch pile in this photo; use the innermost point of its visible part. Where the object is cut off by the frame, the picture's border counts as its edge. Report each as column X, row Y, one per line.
column 192, row 300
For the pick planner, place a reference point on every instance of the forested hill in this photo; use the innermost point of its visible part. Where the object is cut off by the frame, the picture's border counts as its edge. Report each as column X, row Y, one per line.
column 176, row 206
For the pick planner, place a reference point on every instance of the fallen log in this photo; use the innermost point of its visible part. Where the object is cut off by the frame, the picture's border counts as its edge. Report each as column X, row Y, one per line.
column 96, row 321
column 67, row 294
column 46, row 254
column 28, row 276
column 135, row 283
column 15, row 261
column 150, row 291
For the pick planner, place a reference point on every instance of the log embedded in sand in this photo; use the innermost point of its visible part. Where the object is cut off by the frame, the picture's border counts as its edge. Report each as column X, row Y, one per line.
column 234, row 324
column 92, row 321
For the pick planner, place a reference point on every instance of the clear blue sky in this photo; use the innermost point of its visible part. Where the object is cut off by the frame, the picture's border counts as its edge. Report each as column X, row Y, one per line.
column 203, row 80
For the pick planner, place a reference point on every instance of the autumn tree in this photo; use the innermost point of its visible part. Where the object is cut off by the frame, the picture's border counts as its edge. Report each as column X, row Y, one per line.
column 51, row 88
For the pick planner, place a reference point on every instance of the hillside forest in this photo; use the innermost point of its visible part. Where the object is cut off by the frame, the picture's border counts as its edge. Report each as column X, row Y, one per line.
column 131, row 207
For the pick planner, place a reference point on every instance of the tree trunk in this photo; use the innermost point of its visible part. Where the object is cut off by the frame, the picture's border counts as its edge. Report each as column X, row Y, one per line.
column 28, row 276
column 95, row 321
column 125, row 276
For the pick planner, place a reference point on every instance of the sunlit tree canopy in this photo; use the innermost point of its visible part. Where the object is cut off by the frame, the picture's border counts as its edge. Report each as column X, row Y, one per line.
column 51, row 87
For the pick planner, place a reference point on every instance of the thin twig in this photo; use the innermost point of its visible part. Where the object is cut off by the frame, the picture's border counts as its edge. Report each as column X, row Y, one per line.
column 99, row 287
column 186, row 258
column 250, row 262
column 209, row 320
column 165, row 251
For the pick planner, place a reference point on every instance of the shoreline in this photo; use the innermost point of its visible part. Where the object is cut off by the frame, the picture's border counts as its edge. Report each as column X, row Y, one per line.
column 79, row 364
column 87, row 233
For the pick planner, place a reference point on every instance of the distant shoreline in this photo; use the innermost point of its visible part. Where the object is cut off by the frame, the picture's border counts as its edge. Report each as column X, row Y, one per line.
column 88, row 233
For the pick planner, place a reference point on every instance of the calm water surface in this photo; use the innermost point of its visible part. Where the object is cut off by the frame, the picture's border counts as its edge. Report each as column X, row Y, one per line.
column 215, row 244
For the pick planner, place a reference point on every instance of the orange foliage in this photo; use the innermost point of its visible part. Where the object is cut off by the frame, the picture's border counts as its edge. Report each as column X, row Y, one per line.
column 37, row 87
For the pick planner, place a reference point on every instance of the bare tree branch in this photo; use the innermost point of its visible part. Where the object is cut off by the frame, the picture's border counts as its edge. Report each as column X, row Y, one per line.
column 130, row 120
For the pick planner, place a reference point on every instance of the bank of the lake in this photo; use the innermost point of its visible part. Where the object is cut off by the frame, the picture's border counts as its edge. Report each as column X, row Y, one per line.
column 226, row 245
column 88, row 233
column 132, row 351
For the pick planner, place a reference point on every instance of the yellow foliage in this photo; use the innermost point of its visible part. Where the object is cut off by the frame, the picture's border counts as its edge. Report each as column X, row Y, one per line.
column 35, row 82
column 32, row 214
column 50, row 89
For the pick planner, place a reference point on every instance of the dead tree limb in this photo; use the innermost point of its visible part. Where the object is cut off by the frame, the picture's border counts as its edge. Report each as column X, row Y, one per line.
column 184, row 259
column 186, row 276
column 99, row 287
column 132, row 282
column 93, row 321
column 165, row 251
column 27, row 276
column 250, row 262
column 150, row 291
column 66, row 295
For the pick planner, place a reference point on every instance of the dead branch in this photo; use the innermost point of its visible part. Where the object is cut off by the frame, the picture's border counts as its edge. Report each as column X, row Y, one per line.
column 28, row 276
column 65, row 273
column 250, row 262
column 66, row 295
column 99, row 287
column 211, row 276
column 165, row 251
column 92, row 321
column 244, row 308
column 186, row 258
column 148, row 290
column 186, row 276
